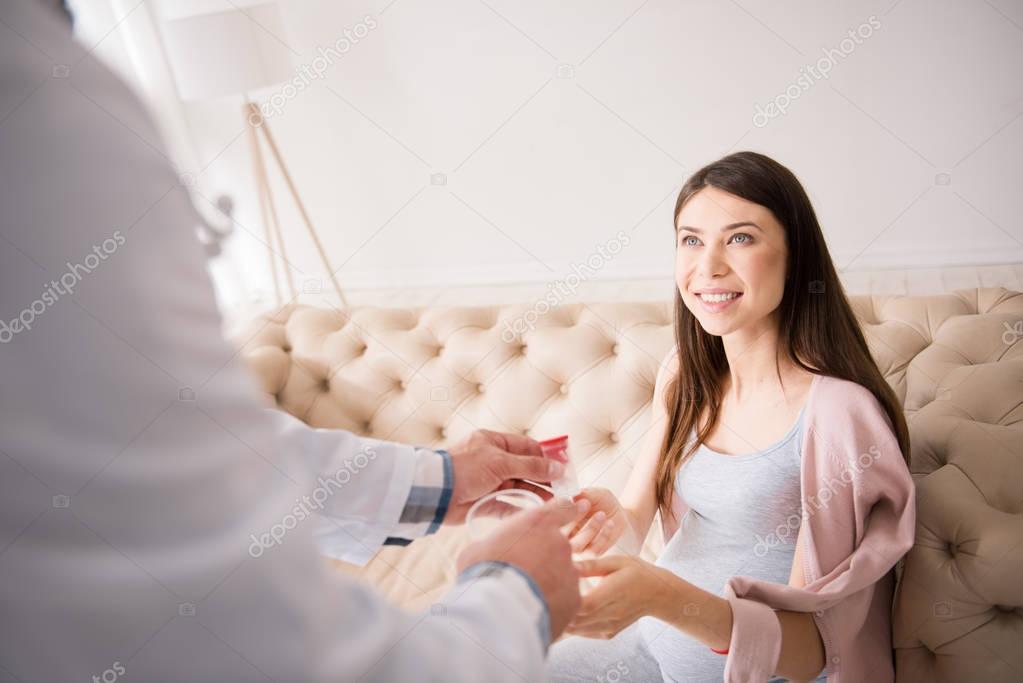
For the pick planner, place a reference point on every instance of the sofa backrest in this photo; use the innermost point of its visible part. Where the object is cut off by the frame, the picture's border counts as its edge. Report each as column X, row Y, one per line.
column 429, row 376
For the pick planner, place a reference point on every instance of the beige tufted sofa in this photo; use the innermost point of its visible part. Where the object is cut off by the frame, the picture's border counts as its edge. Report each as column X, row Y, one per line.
column 430, row 376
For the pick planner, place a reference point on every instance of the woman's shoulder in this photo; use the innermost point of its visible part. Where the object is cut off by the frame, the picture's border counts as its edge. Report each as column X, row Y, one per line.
column 837, row 394
column 840, row 408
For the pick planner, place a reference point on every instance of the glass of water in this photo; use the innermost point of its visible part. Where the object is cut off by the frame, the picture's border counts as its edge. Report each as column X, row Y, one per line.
column 489, row 511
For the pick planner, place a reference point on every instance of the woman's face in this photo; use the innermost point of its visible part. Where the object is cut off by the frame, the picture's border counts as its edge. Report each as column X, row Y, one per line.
column 729, row 261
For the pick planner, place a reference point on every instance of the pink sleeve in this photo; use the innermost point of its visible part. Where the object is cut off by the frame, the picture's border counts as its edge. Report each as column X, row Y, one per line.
column 755, row 645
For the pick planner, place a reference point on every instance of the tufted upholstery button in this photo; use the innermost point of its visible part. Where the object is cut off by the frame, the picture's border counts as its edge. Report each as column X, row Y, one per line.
column 286, row 348
column 563, row 389
column 952, row 549
column 402, row 384
column 366, row 427
column 325, row 384
column 616, row 349
column 836, row 659
column 480, row 388
column 613, row 437
column 522, row 348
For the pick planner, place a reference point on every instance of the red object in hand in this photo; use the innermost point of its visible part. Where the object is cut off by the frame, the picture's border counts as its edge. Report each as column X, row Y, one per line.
column 556, row 448
column 720, row 652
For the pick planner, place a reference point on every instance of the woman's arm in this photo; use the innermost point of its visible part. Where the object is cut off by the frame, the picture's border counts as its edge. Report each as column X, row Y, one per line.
column 708, row 618
column 631, row 588
column 639, row 499
column 802, row 650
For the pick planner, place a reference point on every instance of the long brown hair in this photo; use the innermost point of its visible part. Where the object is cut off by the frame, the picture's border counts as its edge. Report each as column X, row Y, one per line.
column 817, row 327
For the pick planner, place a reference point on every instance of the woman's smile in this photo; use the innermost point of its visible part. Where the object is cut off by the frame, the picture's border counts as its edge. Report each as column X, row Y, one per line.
column 717, row 300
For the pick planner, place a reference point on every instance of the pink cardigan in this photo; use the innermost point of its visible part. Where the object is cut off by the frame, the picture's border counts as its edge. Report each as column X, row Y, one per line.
column 859, row 516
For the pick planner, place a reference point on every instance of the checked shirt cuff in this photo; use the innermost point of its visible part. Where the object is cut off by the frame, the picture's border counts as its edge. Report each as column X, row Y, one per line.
column 428, row 498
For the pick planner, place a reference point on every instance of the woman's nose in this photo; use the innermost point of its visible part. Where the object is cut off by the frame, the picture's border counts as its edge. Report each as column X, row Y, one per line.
column 712, row 262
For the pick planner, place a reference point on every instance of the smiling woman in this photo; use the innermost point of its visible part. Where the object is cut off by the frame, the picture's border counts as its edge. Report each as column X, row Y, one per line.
column 762, row 241
column 769, row 394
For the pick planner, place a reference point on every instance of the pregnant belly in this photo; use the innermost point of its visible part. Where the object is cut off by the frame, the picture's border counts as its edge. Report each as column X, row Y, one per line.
column 706, row 561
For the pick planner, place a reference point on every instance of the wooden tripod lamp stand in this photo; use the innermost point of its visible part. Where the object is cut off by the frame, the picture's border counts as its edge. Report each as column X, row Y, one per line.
column 231, row 53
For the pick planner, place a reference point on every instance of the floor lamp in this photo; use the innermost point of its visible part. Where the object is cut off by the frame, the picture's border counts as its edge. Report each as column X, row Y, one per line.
column 234, row 53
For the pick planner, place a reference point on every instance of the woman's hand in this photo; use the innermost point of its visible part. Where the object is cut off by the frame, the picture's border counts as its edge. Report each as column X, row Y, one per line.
column 603, row 527
column 630, row 588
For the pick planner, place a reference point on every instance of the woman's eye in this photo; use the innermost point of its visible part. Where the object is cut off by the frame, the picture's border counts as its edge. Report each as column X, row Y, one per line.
column 689, row 241
column 742, row 238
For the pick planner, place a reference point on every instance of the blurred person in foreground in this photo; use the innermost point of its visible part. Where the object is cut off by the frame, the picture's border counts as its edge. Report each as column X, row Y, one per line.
column 138, row 466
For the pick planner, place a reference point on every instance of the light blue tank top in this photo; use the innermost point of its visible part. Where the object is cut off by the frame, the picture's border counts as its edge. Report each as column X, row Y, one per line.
column 743, row 518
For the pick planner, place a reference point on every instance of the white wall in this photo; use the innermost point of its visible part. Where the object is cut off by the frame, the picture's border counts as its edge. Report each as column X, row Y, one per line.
column 557, row 125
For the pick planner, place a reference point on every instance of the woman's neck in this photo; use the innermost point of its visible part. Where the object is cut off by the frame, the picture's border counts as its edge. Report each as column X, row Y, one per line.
column 757, row 367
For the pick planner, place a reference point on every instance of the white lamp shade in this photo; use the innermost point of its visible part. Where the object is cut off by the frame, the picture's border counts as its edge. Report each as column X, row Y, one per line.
column 229, row 52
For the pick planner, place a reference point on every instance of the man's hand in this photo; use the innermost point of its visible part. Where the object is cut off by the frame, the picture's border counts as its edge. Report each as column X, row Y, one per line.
column 533, row 541
column 487, row 461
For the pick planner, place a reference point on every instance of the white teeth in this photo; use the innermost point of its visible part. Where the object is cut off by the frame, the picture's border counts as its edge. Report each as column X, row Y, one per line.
column 718, row 298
